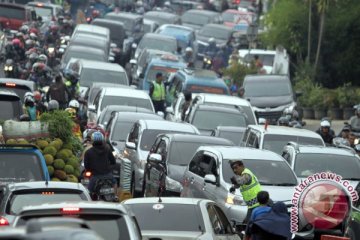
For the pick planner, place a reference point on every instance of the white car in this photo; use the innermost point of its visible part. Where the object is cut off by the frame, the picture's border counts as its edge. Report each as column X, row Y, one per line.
column 265, row 56
column 125, row 96
column 178, row 218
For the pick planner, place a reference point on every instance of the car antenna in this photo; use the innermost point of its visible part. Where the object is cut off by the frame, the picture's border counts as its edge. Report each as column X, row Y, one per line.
column 266, row 124
column 159, row 200
column 46, row 182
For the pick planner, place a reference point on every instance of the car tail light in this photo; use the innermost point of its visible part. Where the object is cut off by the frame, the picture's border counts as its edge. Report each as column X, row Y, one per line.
column 70, row 210
column 4, row 222
column 87, row 174
column 10, row 84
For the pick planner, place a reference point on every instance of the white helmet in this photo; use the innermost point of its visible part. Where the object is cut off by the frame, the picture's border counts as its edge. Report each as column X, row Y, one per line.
column 188, row 49
column 29, row 94
column 325, row 123
column 74, row 104
column 139, row 3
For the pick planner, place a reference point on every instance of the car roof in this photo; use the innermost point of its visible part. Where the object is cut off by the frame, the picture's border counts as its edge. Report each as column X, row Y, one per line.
column 101, row 65
column 158, row 36
column 178, row 137
column 222, row 99
column 123, row 109
column 283, row 130
column 324, row 150
column 160, row 14
column 229, row 152
column 270, row 77
column 170, row 126
column 230, row 129
column 125, row 92
column 180, row 27
column 124, row 15
column 165, row 200
column 217, row 108
column 43, row 185
column 202, row 12
column 78, row 48
column 108, row 21
column 160, row 61
column 134, row 116
column 78, row 204
column 91, row 28
column 219, row 26
column 200, row 74
column 27, row 83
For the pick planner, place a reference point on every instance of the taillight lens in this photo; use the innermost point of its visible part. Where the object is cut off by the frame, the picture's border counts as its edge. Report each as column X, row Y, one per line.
column 87, row 174
column 4, row 222
column 70, row 210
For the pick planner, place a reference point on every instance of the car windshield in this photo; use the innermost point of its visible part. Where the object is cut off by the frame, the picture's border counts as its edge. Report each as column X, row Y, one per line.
column 307, row 164
column 12, row 110
column 209, row 120
column 84, row 55
column 151, row 75
column 235, row 137
column 266, row 59
column 126, row 101
column 121, row 130
column 267, row 88
column 276, row 143
column 89, row 76
column 19, row 200
column 147, row 28
column 196, row 19
column 268, row 172
column 12, row 13
column 158, row 44
column 20, row 167
column 160, row 217
column 182, row 152
column 43, row 11
column 215, row 32
column 149, row 135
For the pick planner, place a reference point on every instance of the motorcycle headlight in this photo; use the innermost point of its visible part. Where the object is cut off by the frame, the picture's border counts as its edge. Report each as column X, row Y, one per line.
column 6, row 68
column 209, row 61
column 51, row 50
column 10, row 68
column 234, row 200
column 63, row 41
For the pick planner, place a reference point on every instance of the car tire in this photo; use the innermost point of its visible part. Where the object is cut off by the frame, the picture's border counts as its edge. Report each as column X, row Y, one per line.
column 134, row 193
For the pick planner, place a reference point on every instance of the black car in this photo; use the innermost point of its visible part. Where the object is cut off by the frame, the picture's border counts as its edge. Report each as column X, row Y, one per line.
column 134, row 29
column 117, row 36
column 168, row 159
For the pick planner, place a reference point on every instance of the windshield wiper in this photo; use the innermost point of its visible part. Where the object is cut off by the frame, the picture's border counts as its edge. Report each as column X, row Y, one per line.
column 352, row 179
column 284, row 184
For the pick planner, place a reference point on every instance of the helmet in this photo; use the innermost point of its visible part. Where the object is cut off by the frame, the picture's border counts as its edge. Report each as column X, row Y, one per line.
column 9, row 62
column 24, row 118
column 87, row 134
column 188, row 49
column 15, row 42
column 37, row 96
column 71, row 111
column 74, row 104
column 211, row 40
column 43, row 58
column 139, row 3
column 29, row 43
column 29, row 99
column 95, row 13
column 167, row 4
column 19, row 35
column 53, row 105
column 54, row 28
column 235, row 162
column 357, row 109
column 33, row 36
column 97, row 137
column 24, row 29
column 325, row 123
column 33, row 31
column 33, row 57
column 283, row 121
column 28, row 94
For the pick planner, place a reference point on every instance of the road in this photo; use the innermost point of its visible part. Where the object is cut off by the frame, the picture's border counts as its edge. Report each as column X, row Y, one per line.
column 313, row 125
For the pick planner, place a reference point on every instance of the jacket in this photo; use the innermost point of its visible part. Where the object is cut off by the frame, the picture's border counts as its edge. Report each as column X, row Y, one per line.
column 99, row 159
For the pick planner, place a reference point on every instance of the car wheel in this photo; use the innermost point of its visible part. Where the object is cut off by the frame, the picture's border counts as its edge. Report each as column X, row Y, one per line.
column 134, row 193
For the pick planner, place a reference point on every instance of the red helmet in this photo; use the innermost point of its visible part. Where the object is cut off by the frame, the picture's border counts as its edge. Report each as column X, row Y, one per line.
column 54, row 28
column 33, row 30
column 95, row 13
column 37, row 96
column 15, row 41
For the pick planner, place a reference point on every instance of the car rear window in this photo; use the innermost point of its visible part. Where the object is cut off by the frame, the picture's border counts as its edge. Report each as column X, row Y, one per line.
column 205, row 89
column 109, row 227
column 20, row 90
column 21, row 199
column 12, row 109
column 12, row 13
column 89, row 76
column 235, row 137
column 209, row 119
column 20, row 167
column 161, row 217
column 126, row 101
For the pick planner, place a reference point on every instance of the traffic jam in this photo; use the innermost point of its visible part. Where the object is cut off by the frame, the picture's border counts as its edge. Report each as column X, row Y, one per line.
column 123, row 120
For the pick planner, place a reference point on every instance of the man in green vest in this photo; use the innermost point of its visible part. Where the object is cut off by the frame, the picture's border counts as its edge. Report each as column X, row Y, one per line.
column 248, row 184
column 157, row 93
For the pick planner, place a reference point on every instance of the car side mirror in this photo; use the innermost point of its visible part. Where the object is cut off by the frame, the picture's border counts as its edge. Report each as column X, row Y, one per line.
column 133, row 61
column 161, row 114
column 92, row 108
column 210, row 178
column 155, row 158
column 130, row 145
column 169, row 110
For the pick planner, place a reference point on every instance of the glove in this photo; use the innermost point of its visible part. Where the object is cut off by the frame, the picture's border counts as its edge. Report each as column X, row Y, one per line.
column 232, row 189
column 233, row 180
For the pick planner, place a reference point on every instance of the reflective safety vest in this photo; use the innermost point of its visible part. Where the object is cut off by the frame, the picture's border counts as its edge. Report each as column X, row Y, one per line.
column 159, row 92
column 250, row 191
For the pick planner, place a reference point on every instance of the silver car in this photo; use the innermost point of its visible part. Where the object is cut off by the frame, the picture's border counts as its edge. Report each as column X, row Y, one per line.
column 139, row 142
column 209, row 172
column 181, row 219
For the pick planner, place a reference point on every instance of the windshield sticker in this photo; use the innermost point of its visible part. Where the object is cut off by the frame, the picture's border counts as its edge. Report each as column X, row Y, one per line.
column 158, row 206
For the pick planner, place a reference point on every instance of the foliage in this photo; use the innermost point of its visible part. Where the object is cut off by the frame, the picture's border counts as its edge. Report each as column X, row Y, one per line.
column 348, row 96
column 59, row 124
column 316, row 98
column 237, row 72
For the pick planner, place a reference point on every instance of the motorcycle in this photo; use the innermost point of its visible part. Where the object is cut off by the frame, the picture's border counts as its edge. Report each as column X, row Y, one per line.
column 51, row 53
column 207, row 62
column 10, row 69
column 103, row 189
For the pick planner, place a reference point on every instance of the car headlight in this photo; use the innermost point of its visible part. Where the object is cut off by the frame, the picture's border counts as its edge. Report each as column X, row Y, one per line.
column 234, row 200
column 6, row 68
column 172, row 184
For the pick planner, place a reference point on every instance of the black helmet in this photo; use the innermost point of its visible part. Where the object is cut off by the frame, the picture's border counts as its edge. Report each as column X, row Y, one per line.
column 283, row 121
column 236, row 162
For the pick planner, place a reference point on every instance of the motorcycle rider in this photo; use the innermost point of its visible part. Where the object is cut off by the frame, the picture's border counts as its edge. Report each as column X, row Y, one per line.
column 10, row 69
column 324, row 131
column 30, row 108
column 76, row 128
column 40, row 75
column 189, row 55
column 211, row 49
column 139, row 7
column 58, row 91
column 19, row 51
column 283, row 121
column 52, row 36
column 53, row 105
column 40, row 106
column 72, row 84
column 355, row 120
column 99, row 161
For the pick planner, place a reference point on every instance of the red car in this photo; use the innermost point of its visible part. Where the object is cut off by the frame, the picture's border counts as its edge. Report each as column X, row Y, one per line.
column 12, row 16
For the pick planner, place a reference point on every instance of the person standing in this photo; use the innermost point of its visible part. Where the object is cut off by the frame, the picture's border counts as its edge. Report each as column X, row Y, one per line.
column 248, row 184
column 157, row 93
column 58, row 91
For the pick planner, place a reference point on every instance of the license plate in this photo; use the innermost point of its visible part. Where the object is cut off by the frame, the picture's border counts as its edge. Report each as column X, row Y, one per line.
column 85, row 181
column 106, row 190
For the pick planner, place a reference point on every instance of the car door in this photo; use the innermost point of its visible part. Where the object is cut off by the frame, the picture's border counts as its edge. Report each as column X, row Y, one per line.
column 221, row 227
column 253, row 140
column 192, row 178
column 155, row 173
